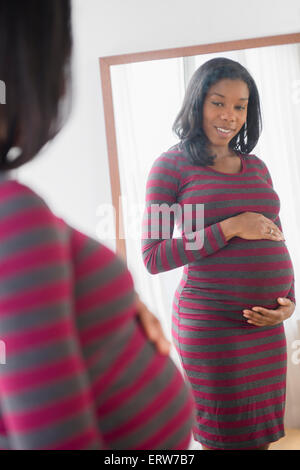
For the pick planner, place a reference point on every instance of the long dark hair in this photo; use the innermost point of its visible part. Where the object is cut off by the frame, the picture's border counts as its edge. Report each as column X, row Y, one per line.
column 188, row 123
column 35, row 57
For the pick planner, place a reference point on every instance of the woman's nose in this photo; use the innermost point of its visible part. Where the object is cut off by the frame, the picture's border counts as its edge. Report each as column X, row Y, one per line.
column 228, row 115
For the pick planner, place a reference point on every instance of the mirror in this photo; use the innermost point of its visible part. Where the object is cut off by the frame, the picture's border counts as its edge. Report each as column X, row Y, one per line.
column 142, row 94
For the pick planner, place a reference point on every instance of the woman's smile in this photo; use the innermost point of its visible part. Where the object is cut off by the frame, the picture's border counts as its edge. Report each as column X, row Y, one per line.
column 224, row 134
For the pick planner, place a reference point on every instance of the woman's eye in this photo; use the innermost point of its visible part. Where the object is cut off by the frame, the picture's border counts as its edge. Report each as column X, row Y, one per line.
column 238, row 107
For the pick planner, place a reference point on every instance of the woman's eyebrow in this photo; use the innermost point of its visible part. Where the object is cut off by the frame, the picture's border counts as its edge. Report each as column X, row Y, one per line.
column 219, row 94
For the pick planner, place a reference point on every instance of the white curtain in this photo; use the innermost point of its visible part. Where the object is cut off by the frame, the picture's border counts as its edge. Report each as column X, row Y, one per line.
column 147, row 97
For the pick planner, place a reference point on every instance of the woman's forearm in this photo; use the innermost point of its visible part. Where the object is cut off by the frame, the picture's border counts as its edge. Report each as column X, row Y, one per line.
column 229, row 228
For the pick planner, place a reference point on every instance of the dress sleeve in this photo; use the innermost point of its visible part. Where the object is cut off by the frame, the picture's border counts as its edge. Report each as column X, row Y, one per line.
column 161, row 252
column 44, row 389
column 277, row 221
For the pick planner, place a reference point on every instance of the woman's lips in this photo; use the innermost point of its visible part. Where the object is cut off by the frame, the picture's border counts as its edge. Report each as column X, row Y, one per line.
column 223, row 134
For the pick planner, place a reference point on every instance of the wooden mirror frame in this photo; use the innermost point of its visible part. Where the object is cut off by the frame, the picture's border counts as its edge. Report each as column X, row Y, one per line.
column 105, row 65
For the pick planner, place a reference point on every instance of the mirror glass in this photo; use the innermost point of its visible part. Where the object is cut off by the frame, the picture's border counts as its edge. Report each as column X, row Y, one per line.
column 147, row 97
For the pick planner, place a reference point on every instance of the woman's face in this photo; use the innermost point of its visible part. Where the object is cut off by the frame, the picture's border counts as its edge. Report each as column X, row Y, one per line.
column 225, row 107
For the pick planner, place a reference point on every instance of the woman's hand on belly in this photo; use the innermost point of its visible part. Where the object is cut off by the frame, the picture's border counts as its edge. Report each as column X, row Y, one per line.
column 251, row 226
column 260, row 316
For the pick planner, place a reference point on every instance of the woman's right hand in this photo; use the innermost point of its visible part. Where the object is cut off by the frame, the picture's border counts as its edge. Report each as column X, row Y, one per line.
column 251, row 226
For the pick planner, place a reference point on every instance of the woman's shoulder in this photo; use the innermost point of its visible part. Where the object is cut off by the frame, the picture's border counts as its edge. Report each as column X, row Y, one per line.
column 170, row 159
column 14, row 194
column 25, row 214
column 22, row 206
column 254, row 160
column 258, row 165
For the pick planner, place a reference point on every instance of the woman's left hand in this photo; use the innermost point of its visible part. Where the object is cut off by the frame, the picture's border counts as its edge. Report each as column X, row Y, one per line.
column 260, row 316
column 152, row 327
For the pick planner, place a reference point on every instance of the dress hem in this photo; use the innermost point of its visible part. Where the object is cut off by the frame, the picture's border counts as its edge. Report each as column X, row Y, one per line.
column 255, row 446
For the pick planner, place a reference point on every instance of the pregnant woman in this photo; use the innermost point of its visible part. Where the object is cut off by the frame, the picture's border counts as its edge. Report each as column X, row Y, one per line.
column 238, row 281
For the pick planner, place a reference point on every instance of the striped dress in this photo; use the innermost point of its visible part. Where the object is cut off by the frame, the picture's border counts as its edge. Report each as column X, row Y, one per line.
column 77, row 371
column 237, row 370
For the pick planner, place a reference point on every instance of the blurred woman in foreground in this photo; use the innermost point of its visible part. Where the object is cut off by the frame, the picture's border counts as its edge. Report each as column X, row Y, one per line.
column 80, row 372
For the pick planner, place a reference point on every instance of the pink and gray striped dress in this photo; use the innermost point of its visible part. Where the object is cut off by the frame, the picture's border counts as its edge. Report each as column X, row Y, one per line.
column 237, row 370
column 78, row 372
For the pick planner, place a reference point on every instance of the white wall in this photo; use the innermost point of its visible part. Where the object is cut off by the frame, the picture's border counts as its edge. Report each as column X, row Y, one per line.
column 72, row 174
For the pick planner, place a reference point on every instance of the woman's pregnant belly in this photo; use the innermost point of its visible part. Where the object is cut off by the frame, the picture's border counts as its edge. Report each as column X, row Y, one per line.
column 243, row 274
